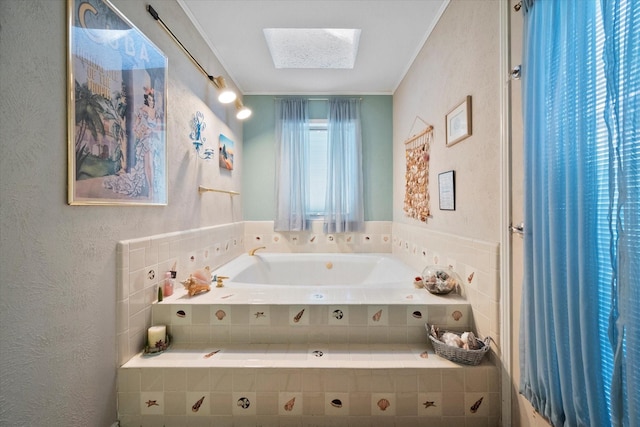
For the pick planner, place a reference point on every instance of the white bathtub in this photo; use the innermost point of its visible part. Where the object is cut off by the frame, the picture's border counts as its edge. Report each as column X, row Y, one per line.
column 318, row 270
column 319, row 278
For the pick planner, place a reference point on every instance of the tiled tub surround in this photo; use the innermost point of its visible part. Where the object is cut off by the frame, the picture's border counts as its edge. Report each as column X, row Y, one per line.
column 255, row 365
column 477, row 262
column 141, row 264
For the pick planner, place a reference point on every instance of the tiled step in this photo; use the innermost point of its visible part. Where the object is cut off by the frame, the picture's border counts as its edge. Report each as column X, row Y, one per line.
column 223, row 321
column 334, row 356
column 281, row 385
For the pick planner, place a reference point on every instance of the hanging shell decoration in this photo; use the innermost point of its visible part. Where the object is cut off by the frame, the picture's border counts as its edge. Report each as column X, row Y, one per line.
column 199, row 281
column 416, row 198
column 220, row 314
column 457, row 315
column 376, row 317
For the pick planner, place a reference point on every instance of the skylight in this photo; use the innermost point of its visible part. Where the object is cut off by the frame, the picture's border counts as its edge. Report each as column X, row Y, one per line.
column 313, row 47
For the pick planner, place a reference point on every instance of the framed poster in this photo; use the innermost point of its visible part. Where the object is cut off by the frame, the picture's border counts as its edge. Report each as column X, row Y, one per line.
column 117, row 103
column 447, row 190
column 226, row 152
column 458, row 122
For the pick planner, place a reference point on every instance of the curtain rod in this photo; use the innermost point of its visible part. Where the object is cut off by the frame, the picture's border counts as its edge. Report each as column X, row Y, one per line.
column 315, row 99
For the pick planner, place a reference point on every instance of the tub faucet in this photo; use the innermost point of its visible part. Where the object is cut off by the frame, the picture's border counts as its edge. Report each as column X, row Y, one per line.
column 253, row 251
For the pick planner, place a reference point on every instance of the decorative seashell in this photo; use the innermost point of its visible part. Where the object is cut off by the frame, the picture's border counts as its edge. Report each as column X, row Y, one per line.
column 449, row 338
column 289, row 405
column 208, row 355
column 424, row 355
column 243, row 402
column 298, row 316
column 475, row 406
column 376, row 317
column 429, row 403
column 470, row 278
column 195, row 286
column 457, row 315
column 417, row 314
column 338, row 314
column 317, row 353
column 220, row 314
column 196, row 406
column 202, row 275
column 181, row 313
column 329, row 265
column 336, row 403
column 383, row 404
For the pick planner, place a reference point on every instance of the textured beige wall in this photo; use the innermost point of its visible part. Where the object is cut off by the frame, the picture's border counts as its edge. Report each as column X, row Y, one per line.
column 460, row 58
column 57, row 282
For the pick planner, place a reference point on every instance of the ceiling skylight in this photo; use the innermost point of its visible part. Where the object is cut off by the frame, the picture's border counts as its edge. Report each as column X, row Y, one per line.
column 313, row 47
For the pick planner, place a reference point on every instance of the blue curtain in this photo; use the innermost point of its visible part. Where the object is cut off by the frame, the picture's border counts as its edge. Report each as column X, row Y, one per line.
column 580, row 303
column 621, row 21
column 344, row 208
column 292, row 154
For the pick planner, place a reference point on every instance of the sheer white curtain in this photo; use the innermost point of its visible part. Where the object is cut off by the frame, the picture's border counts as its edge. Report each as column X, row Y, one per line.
column 344, row 207
column 292, row 156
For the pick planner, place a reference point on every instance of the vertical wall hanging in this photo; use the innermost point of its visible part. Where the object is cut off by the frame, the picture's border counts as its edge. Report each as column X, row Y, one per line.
column 416, row 198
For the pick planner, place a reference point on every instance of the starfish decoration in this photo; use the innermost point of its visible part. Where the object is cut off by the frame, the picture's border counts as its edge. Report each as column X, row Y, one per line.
column 429, row 403
column 151, row 403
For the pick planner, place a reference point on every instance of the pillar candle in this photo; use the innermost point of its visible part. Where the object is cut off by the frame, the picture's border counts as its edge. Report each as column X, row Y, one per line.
column 156, row 333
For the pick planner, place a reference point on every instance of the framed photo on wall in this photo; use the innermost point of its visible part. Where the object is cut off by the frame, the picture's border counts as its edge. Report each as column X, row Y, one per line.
column 225, row 146
column 458, row 122
column 117, row 93
column 447, row 190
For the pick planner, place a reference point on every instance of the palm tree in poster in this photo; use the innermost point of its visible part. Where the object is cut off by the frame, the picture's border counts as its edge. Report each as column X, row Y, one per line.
column 89, row 112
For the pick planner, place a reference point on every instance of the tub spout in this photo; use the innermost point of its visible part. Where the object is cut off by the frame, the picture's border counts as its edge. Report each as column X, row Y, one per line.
column 253, row 251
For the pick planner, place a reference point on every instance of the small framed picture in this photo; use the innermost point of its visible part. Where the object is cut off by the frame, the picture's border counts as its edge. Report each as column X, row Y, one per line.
column 447, row 189
column 458, row 122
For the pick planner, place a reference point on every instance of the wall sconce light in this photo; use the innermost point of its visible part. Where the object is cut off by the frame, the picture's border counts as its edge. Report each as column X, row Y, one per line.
column 225, row 95
column 242, row 112
column 197, row 126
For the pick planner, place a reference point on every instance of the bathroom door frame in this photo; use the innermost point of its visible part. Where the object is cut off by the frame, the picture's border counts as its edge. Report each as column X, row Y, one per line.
column 506, row 257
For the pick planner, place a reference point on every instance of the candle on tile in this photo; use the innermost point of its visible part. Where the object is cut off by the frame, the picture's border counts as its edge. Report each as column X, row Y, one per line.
column 156, row 333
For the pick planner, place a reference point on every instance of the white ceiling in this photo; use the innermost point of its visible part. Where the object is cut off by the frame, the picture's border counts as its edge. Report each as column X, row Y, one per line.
column 393, row 32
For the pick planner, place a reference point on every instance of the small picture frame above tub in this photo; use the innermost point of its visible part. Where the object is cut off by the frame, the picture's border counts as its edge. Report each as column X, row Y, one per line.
column 458, row 122
column 226, row 152
column 447, row 190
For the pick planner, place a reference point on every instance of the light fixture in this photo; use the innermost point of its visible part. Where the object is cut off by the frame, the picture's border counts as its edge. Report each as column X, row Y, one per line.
column 225, row 95
column 242, row 111
column 197, row 126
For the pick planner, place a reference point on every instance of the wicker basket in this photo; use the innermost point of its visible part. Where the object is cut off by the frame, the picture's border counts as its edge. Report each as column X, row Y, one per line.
column 456, row 354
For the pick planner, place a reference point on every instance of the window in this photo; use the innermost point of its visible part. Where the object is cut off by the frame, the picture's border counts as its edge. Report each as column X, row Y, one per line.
column 317, row 167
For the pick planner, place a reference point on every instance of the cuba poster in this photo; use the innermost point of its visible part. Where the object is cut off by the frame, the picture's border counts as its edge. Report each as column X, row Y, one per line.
column 117, row 81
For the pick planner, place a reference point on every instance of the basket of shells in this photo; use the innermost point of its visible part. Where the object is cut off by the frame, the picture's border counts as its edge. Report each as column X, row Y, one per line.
column 459, row 347
column 440, row 280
